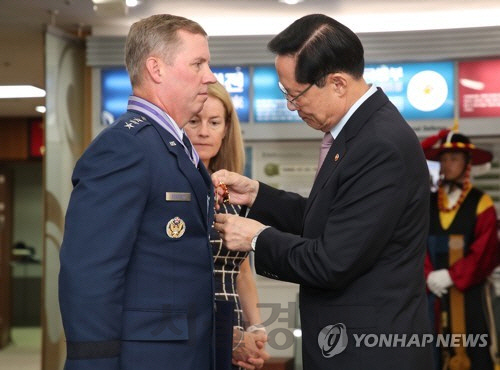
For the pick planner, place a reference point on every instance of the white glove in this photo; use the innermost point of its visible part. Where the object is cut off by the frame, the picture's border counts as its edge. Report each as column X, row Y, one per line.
column 439, row 281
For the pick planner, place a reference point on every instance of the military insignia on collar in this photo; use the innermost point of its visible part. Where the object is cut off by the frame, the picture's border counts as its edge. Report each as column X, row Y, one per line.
column 175, row 228
column 172, row 143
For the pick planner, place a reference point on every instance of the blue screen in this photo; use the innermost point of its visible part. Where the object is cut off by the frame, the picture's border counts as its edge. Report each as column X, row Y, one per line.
column 418, row 90
column 269, row 104
column 116, row 88
column 236, row 80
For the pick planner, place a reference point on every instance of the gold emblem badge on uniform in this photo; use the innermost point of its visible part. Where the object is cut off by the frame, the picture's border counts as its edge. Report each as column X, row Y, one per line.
column 176, row 228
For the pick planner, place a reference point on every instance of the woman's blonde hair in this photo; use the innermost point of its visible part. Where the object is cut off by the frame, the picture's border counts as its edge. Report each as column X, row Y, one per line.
column 231, row 155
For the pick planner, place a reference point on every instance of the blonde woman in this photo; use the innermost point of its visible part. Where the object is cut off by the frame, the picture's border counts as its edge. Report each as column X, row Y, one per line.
column 216, row 135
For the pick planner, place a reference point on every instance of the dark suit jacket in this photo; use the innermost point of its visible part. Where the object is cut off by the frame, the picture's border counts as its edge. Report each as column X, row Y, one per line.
column 356, row 245
column 131, row 296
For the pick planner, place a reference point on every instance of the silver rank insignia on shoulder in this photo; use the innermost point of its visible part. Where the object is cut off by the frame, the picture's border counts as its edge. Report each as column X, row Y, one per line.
column 134, row 121
column 176, row 228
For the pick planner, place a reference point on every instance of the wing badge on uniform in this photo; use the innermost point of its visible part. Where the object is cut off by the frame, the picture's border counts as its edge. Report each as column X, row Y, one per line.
column 176, row 228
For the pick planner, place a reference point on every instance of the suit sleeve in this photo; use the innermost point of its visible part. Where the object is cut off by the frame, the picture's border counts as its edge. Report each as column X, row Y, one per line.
column 483, row 255
column 290, row 207
column 366, row 207
column 102, row 222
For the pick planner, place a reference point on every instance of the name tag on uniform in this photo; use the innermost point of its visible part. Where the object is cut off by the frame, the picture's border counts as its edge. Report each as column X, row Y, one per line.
column 177, row 197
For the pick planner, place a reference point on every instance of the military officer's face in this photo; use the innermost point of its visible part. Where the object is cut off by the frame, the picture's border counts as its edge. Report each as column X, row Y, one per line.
column 187, row 77
column 207, row 129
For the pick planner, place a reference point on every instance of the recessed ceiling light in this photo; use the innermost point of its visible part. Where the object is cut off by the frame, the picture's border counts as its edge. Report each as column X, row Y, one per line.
column 20, row 91
column 290, row 2
column 132, row 3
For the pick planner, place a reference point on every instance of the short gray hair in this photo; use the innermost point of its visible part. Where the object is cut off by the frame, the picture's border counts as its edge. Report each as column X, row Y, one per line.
column 155, row 35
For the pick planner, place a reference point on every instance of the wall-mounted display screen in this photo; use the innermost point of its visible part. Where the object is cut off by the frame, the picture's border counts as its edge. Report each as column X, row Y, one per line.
column 479, row 88
column 116, row 88
column 418, row 90
column 421, row 91
column 269, row 104
column 236, row 80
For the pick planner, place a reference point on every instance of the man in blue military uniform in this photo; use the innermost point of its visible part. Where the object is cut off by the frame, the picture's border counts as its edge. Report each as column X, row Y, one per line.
column 136, row 280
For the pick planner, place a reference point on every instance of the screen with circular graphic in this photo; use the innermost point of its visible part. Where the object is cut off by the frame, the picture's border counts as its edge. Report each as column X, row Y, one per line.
column 418, row 90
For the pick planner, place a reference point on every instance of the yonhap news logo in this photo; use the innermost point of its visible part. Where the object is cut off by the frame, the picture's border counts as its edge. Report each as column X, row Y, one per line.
column 333, row 339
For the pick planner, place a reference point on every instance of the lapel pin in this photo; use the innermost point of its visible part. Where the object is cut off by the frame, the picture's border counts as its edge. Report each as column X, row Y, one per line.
column 337, row 156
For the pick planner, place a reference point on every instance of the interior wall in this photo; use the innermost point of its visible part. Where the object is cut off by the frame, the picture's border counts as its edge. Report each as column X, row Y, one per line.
column 28, row 205
column 64, row 133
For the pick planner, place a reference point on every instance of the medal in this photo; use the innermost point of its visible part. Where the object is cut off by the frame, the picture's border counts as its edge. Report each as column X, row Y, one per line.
column 225, row 195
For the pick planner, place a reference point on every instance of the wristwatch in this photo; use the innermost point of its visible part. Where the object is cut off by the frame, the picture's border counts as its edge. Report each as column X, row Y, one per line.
column 254, row 239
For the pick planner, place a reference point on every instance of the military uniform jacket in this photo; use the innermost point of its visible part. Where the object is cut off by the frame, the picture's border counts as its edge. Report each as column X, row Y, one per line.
column 356, row 245
column 136, row 282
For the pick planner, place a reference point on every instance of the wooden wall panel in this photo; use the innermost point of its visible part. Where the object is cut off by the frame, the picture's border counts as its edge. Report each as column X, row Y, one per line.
column 6, row 214
column 14, row 139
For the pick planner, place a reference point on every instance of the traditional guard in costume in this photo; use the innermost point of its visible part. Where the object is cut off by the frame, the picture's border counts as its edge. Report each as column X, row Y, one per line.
column 462, row 251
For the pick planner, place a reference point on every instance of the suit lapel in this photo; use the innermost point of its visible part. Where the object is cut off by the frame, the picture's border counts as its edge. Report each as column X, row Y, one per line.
column 199, row 179
column 339, row 146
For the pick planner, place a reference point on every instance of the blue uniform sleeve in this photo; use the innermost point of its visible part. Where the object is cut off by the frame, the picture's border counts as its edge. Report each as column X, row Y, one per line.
column 102, row 222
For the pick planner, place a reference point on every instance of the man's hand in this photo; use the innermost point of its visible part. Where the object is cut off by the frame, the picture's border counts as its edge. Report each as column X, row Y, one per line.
column 236, row 232
column 241, row 189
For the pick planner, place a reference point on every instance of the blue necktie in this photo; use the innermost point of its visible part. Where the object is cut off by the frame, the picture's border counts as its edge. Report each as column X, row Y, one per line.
column 188, row 145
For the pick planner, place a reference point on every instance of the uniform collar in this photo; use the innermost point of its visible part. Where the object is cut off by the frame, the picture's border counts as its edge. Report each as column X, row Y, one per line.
column 164, row 120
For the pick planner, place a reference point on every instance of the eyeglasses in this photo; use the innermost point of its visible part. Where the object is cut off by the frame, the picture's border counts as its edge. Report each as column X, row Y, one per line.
column 293, row 99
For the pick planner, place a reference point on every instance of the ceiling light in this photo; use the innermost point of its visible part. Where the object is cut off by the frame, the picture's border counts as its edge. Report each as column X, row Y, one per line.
column 40, row 109
column 290, row 2
column 132, row 3
column 110, row 8
column 20, row 91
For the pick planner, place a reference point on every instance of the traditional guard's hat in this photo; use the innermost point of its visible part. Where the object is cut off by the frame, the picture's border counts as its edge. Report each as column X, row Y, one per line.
column 456, row 141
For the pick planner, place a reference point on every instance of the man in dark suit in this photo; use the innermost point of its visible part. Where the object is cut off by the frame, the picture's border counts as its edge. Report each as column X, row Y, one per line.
column 136, row 282
column 356, row 245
